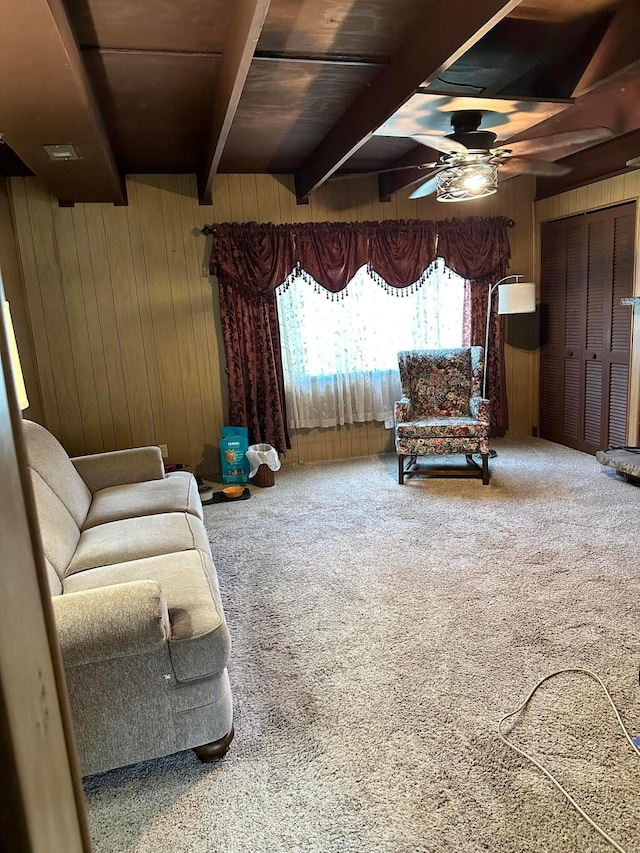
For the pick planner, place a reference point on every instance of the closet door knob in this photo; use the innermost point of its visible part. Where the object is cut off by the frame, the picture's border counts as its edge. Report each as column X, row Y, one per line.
column 570, row 354
column 594, row 355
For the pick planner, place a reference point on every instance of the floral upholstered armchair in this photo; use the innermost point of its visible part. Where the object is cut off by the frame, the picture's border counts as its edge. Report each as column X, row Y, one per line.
column 442, row 411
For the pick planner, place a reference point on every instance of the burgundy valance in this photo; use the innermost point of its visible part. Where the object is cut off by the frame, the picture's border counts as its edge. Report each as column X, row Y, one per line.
column 476, row 248
column 401, row 250
column 259, row 257
column 331, row 255
column 253, row 256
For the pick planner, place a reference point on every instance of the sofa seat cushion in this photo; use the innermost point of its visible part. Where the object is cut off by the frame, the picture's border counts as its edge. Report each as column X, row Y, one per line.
column 199, row 645
column 136, row 538
column 178, row 492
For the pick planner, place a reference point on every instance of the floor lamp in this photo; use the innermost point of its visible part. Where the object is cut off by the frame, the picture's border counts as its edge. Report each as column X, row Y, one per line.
column 517, row 297
column 16, row 369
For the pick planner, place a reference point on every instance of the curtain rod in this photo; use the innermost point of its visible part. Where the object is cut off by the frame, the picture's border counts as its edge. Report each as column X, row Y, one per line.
column 207, row 230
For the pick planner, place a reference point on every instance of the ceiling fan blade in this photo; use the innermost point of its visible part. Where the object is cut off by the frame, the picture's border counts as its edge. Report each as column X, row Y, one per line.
column 349, row 176
column 518, row 165
column 428, row 187
column 560, row 140
column 440, row 143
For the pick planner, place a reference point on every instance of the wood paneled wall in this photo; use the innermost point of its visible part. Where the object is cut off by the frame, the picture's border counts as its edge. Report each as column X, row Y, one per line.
column 11, row 275
column 125, row 317
column 616, row 190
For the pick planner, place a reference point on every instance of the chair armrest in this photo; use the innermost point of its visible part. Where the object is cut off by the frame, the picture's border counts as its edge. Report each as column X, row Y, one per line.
column 118, row 467
column 403, row 410
column 111, row 622
column 480, row 409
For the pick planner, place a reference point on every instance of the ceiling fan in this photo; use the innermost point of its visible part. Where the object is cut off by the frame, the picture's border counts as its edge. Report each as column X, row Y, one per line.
column 470, row 160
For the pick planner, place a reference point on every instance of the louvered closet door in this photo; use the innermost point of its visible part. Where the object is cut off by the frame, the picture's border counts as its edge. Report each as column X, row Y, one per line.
column 587, row 267
column 598, row 278
column 618, row 321
column 575, row 312
column 554, row 249
column 564, row 247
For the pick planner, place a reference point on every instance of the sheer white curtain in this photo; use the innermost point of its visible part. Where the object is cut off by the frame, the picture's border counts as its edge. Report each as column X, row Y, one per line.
column 340, row 357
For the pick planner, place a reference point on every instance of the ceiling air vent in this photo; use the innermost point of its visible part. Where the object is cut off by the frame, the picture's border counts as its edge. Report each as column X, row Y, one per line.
column 61, row 152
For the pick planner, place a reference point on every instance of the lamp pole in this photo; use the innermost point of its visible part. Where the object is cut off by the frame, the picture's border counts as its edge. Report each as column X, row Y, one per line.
column 492, row 289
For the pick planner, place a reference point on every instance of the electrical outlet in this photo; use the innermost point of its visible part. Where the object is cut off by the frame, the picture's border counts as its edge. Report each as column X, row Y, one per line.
column 164, row 450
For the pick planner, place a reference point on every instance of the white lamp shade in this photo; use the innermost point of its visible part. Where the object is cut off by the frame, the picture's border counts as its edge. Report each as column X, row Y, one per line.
column 18, row 379
column 519, row 297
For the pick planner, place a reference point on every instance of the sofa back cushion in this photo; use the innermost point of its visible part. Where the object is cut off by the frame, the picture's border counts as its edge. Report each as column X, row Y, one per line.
column 48, row 457
column 58, row 530
column 55, row 584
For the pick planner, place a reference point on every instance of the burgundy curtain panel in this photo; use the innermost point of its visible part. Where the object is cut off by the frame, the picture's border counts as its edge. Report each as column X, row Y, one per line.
column 478, row 249
column 251, row 335
column 252, row 260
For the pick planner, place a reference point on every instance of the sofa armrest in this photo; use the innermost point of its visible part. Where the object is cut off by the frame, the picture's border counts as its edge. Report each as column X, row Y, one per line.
column 403, row 410
column 111, row 622
column 118, row 467
column 480, row 409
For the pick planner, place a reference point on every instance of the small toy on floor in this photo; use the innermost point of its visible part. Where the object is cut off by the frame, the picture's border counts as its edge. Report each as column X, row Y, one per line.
column 221, row 498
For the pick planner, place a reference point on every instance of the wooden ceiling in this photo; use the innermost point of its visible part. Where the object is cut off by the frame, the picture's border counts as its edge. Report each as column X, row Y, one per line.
column 302, row 86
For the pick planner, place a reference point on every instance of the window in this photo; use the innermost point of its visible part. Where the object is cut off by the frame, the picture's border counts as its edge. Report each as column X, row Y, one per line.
column 340, row 357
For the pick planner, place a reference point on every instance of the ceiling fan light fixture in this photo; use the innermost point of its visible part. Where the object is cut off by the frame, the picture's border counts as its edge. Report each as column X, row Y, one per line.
column 467, row 182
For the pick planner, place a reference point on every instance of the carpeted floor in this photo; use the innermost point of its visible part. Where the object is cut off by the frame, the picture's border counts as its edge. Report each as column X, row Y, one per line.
column 380, row 632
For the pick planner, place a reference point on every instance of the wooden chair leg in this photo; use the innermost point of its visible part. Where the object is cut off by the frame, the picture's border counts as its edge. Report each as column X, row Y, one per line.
column 485, row 469
column 401, row 459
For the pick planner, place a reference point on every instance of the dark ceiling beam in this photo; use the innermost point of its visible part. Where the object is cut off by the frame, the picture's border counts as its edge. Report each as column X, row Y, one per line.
column 615, row 104
column 264, row 56
column 442, row 34
column 608, row 159
column 244, row 31
column 618, row 51
column 46, row 98
column 147, row 51
column 355, row 61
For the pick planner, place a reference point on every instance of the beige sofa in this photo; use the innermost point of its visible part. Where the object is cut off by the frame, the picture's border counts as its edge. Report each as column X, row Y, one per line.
column 144, row 641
